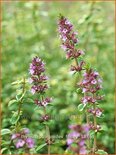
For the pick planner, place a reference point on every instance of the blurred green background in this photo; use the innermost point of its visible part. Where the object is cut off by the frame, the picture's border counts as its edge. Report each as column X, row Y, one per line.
column 29, row 29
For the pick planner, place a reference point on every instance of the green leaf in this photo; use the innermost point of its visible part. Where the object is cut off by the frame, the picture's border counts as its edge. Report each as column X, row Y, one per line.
column 102, row 116
column 103, row 128
column 101, row 152
column 40, row 147
column 49, row 123
column 20, row 96
column 87, row 66
column 2, row 150
column 17, row 82
column 81, row 107
column 5, row 131
column 29, row 100
column 12, row 102
column 5, row 142
column 78, row 90
column 6, row 151
column 15, row 118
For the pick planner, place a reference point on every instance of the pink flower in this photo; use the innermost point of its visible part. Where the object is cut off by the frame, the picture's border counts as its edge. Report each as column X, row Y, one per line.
column 30, row 80
column 84, row 90
column 14, row 136
column 30, row 143
column 93, row 81
column 20, row 143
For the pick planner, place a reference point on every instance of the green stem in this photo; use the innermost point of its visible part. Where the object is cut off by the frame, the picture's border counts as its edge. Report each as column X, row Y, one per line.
column 88, row 121
column 95, row 135
column 47, row 133
column 20, row 103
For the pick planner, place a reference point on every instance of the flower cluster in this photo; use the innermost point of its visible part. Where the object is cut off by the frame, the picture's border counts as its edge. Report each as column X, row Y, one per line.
column 90, row 84
column 38, row 80
column 39, row 86
column 21, row 139
column 69, row 38
column 96, row 128
column 44, row 102
column 91, row 81
column 97, row 111
column 78, row 136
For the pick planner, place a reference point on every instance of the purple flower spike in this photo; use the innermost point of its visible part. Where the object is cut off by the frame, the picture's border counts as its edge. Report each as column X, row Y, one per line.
column 69, row 38
column 39, row 81
column 37, row 66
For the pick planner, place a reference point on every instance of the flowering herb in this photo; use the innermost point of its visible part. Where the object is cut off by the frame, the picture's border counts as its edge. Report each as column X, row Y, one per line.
column 18, row 136
column 90, row 85
column 21, row 139
column 38, row 80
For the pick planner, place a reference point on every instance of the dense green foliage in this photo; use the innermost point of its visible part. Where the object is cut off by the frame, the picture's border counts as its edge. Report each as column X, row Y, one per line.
column 29, row 29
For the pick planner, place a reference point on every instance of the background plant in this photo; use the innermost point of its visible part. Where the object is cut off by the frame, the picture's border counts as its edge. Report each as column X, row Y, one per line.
column 29, row 29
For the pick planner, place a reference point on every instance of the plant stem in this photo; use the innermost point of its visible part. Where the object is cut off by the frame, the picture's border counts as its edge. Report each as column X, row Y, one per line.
column 76, row 61
column 47, row 133
column 95, row 135
column 48, row 140
column 88, row 121
column 20, row 103
column 23, row 90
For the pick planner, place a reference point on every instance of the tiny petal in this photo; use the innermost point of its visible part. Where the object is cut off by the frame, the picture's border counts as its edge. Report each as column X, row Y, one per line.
column 93, row 82
column 84, row 90
column 33, row 91
column 14, row 136
column 30, row 80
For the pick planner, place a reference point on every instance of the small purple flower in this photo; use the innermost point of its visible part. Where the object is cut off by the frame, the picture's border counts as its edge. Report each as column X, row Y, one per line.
column 30, row 80
column 83, row 150
column 96, row 128
column 81, row 143
column 84, row 90
column 44, row 102
column 33, row 90
column 45, row 117
column 72, row 137
column 93, row 81
column 14, row 136
column 20, row 143
column 30, row 143
column 21, row 138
